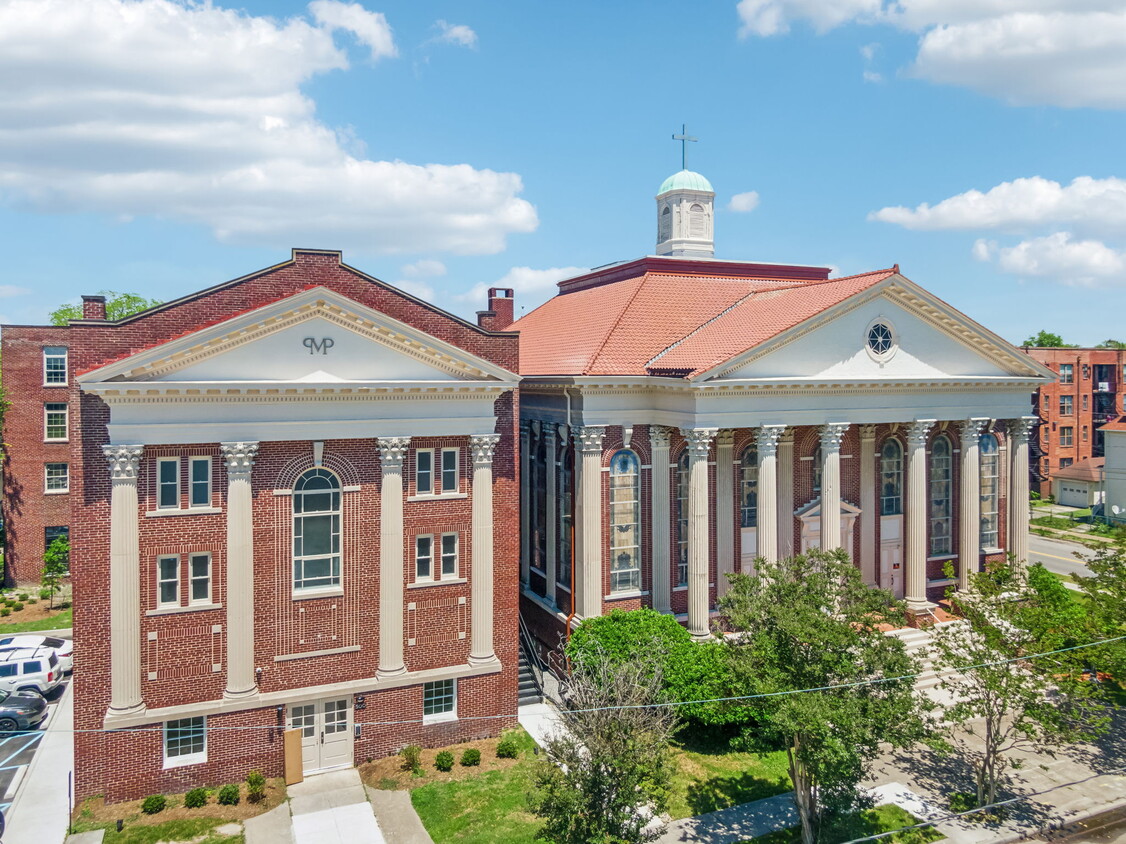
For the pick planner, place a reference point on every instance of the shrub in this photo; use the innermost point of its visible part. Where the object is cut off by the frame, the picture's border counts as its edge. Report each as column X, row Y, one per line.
column 154, row 804
column 6, row 611
column 44, row 594
column 255, row 786
column 33, row 600
column 195, row 798
column 17, row 606
column 471, row 757
column 23, row 596
column 412, row 756
column 228, row 795
column 9, row 602
column 508, row 747
column 444, row 761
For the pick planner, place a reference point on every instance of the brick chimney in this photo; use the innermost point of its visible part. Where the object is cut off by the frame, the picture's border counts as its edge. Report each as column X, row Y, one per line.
column 94, row 307
column 499, row 315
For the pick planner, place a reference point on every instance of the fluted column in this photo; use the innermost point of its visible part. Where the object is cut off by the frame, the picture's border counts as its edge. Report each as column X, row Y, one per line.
column 660, row 542
column 786, row 494
column 241, row 681
column 724, row 508
column 699, row 443
column 481, row 594
column 124, row 581
column 831, row 435
column 1018, row 488
column 916, row 514
column 969, row 539
column 588, row 442
column 525, row 503
column 392, row 451
column 552, row 527
column 766, row 445
column 869, row 512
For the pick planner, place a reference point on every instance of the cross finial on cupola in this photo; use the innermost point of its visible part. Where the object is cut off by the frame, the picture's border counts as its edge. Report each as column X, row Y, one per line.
column 684, row 139
column 686, row 209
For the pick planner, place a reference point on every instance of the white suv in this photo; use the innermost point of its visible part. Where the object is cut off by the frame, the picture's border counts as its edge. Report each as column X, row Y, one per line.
column 35, row 669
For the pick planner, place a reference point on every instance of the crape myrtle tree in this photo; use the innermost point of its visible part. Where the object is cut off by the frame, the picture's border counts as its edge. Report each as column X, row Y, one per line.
column 56, row 565
column 810, row 622
column 1005, row 698
column 1105, row 591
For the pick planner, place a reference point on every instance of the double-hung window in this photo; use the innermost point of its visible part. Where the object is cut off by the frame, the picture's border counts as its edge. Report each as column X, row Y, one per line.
column 436, row 471
column 449, row 470
column 316, row 531
column 1067, row 373
column 426, row 546
column 168, row 581
column 185, row 741
column 199, row 577
column 449, row 555
column 55, row 428
column 1066, row 435
column 168, row 483
column 1066, row 404
column 424, row 557
column 199, row 478
column 424, row 471
column 54, row 366
column 56, row 477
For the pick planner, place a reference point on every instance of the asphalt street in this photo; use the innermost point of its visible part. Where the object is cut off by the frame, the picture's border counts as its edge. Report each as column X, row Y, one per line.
column 1056, row 555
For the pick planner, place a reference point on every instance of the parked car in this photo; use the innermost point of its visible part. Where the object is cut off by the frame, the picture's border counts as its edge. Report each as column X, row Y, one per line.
column 21, row 711
column 63, row 648
column 30, row 669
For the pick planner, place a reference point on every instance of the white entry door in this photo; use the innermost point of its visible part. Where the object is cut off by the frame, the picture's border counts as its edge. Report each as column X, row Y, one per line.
column 891, row 554
column 326, row 733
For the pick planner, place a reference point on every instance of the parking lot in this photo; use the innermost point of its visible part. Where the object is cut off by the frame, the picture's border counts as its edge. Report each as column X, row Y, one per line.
column 17, row 750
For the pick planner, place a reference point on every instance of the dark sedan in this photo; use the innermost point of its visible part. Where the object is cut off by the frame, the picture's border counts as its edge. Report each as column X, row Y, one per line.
column 21, row 711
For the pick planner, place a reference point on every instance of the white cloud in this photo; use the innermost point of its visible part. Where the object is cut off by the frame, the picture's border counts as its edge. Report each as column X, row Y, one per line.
column 215, row 130
column 458, row 34
column 744, row 202
column 1078, row 263
column 370, row 28
column 531, row 287
column 1058, row 52
column 420, row 289
column 8, row 291
column 426, row 268
column 1022, row 204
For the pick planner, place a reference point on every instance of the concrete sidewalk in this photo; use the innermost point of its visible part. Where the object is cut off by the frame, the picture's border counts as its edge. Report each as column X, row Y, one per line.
column 40, row 813
column 333, row 808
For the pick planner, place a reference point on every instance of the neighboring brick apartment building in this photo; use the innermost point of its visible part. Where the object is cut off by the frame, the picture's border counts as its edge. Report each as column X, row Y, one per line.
column 282, row 493
column 1089, row 392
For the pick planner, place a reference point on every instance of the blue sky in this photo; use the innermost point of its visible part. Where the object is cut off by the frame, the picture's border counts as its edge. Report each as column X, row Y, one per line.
column 160, row 147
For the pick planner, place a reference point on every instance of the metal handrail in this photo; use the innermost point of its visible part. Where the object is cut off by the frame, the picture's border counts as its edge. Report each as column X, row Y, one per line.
column 528, row 646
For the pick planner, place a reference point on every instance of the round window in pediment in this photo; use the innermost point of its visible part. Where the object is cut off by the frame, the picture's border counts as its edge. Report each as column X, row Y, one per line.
column 881, row 340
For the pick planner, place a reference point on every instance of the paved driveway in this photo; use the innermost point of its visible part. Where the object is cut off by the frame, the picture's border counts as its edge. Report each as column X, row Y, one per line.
column 18, row 749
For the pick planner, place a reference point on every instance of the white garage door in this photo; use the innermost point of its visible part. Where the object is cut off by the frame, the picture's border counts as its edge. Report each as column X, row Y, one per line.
column 1073, row 495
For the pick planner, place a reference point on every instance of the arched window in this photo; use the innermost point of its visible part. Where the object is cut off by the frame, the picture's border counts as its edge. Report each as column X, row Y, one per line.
column 990, row 489
column 682, row 519
column 697, row 221
column 748, row 499
column 665, row 226
column 625, row 522
column 891, row 478
column 816, row 468
column 564, row 512
column 316, row 530
column 942, row 486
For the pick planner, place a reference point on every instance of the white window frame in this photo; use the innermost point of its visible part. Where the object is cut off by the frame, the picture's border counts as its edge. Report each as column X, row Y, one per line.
column 442, row 555
column 990, row 479
column 418, row 488
column 193, row 578
column 681, row 475
column 446, row 715
column 456, row 486
column 192, row 463
column 47, row 489
column 181, row 759
column 941, row 479
column 1067, row 436
column 625, row 579
column 160, row 463
column 335, row 555
column 47, row 411
column 428, row 557
column 161, row 580
column 1069, row 404
column 54, row 353
column 1067, row 377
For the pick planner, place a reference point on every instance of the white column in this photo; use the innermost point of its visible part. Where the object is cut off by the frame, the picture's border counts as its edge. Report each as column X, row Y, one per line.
column 525, row 503
column 552, row 526
column 481, row 611
column 699, row 443
column 786, row 494
column 659, row 540
column 241, row 681
column 392, row 451
column 916, row 514
column 831, row 435
column 588, row 577
column 124, row 581
column 869, row 512
column 969, row 539
column 724, row 508
column 1018, row 488
column 766, row 444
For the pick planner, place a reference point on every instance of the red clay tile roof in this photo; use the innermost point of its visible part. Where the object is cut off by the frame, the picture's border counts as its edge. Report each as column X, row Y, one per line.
column 661, row 323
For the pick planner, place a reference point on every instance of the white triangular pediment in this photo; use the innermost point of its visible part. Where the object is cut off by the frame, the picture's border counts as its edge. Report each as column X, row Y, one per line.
column 812, row 510
column 931, row 342
column 314, row 337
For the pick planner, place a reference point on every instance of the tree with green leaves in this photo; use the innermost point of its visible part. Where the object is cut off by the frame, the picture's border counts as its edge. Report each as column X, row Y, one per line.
column 1004, row 697
column 118, row 306
column 605, row 776
column 1105, row 590
column 810, row 623
column 56, row 565
column 1046, row 340
column 1111, row 344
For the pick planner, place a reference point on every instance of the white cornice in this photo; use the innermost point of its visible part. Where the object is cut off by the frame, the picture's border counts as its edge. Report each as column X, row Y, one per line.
column 118, row 392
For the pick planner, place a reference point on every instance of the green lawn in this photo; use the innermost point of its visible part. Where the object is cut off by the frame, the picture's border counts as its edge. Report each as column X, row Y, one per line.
column 61, row 620
column 711, row 776
column 197, row 830
column 869, row 822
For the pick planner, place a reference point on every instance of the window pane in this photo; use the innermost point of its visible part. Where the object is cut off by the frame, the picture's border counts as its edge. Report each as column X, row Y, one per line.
column 423, row 556
column 168, row 476
column 449, row 470
column 55, row 420
column 201, row 481
column 424, row 463
column 201, row 577
column 748, row 501
column 303, row 718
column 449, row 554
column 184, row 737
column 438, row 697
column 625, row 522
column 316, row 530
column 54, row 365
column 57, row 477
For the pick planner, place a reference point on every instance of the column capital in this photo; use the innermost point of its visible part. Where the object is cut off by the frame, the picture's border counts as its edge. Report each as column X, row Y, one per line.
column 659, row 436
column 239, row 457
column 564, row 434
column 483, row 445
column 867, row 432
column 699, row 441
column 917, row 432
column 971, row 430
column 589, row 438
column 766, row 439
column 392, row 451
column 123, row 461
column 831, row 435
column 725, row 437
column 1020, row 428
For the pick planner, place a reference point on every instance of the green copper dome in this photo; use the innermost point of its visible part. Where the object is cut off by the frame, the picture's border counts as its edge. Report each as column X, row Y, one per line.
column 685, row 180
